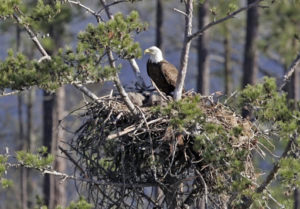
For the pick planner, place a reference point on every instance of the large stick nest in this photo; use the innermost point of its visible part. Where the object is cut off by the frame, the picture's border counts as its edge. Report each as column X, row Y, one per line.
column 126, row 154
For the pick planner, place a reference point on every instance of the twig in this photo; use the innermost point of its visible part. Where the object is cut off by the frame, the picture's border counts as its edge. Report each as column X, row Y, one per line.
column 87, row 92
column 159, row 92
column 44, row 58
column 78, row 3
column 72, row 160
column 87, row 180
column 32, row 36
column 185, row 51
column 290, row 71
column 194, row 35
column 137, row 73
column 3, row 94
column 180, row 12
column 108, row 5
column 129, row 129
column 153, row 167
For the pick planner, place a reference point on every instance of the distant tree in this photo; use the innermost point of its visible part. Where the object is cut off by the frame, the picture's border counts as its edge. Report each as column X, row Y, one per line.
column 250, row 68
column 203, row 79
column 159, row 23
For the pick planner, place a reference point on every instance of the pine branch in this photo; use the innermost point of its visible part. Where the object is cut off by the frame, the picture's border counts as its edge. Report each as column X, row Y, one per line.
column 45, row 55
column 116, row 79
column 66, row 176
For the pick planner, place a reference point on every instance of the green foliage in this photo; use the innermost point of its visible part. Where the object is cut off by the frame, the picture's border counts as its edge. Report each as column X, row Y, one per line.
column 6, row 183
column 7, row 7
column 86, row 63
column 3, row 160
column 184, row 113
column 290, row 177
column 114, row 35
column 281, row 31
column 80, row 204
column 45, row 12
column 40, row 161
column 270, row 105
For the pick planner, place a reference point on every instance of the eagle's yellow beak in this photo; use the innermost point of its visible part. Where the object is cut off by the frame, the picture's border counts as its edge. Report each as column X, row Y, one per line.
column 147, row 51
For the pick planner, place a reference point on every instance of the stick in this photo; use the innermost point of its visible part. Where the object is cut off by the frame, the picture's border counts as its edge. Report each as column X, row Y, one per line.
column 290, row 72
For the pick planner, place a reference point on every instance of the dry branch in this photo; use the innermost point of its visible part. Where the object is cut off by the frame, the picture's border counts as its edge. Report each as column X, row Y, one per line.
column 290, row 71
column 78, row 3
column 185, row 51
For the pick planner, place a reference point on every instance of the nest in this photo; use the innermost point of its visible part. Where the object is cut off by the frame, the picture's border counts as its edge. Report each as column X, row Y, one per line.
column 148, row 161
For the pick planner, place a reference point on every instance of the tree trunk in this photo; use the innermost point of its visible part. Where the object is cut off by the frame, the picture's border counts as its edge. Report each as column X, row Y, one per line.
column 23, row 171
column 159, row 23
column 54, row 191
column 227, row 62
column 293, row 87
column 296, row 199
column 29, row 135
column 48, row 110
column 250, row 53
column 203, row 80
column 60, row 163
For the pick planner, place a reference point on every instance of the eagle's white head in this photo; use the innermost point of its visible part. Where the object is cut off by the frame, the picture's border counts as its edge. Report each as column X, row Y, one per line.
column 155, row 54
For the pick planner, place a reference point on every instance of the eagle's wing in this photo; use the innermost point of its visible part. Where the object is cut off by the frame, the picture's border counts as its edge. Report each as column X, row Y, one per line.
column 170, row 72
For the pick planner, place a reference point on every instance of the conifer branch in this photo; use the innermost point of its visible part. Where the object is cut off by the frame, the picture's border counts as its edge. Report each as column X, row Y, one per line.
column 66, row 176
column 45, row 55
column 116, row 78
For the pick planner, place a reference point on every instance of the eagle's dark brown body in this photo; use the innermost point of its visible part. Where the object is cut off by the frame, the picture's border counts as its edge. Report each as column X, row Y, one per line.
column 163, row 74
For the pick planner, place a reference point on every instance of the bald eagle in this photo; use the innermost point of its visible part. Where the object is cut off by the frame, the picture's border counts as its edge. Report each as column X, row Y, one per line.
column 162, row 73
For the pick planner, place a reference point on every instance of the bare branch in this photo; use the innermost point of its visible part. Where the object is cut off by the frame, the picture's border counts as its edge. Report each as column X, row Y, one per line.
column 119, row 86
column 4, row 94
column 87, row 180
column 180, row 12
column 106, row 6
column 78, row 3
column 185, row 50
column 87, row 92
column 137, row 73
column 198, row 33
column 290, row 71
column 32, row 36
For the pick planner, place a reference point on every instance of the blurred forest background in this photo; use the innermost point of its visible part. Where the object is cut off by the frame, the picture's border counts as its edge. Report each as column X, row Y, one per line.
column 261, row 41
